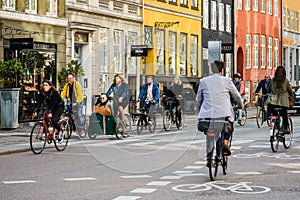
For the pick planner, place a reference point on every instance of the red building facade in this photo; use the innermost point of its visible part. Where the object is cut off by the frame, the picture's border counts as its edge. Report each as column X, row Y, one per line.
column 258, row 41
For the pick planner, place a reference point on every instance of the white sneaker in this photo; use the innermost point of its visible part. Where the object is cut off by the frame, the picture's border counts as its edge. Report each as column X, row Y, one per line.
column 60, row 138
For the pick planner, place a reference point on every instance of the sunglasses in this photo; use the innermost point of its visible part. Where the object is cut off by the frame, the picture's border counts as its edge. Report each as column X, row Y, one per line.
column 102, row 97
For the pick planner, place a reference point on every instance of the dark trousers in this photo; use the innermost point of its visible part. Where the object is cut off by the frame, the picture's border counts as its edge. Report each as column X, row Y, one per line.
column 56, row 116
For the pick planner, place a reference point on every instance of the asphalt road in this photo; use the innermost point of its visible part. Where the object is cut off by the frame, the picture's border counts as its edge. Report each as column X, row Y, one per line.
column 164, row 165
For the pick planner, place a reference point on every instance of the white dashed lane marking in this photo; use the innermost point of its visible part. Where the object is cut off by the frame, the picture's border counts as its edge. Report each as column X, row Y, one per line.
column 137, row 176
column 247, row 173
column 171, row 177
column 158, row 183
column 183, row 172
column 80, row 179
column 193, row 167
column 18, row 182
column 127, row 198
column 143, row 190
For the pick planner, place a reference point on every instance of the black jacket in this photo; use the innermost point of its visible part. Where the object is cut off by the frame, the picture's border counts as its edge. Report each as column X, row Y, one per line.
column 50, row 100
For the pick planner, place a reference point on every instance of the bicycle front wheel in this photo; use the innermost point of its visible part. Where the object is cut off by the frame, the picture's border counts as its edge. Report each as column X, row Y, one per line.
column 62, row 144
column 213, row 169
column 167, row 120
column 224, row 164
column 38, row 138
column 274, row 140
column 127, row 125
column 259, row 118
column 139, row 126
column 244, row 116
column 288, row 137
column 152, row 126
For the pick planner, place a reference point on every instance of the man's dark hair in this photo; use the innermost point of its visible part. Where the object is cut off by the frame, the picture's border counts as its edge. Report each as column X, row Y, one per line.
column 217, row 66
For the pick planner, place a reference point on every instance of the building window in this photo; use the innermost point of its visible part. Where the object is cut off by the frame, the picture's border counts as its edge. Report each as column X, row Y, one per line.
column 297, row 22
column 248, row 51
column 288, row 24
column 183, row 53
column 292, row 21
column 228, row 64
column 269, row 53
column 270, row 7
column 184, row 3
column 194, row 55
column 148, row 36
column 51, row 7
column 228, row 18
column 205, row 14
column 263, row 51
column 30, row 6
column 11, row 4
column 172, row 52
column 213, row 15
column 195, row 4
column 263, row 6
column 239, row 4
column 133, row 39
column 255, row 5
column 276, row 8
column 247, row 4
column 172, row 1
column 276, row 52
column 103, row 50
column 255, row 51
column 221, row 17
column 160, row 51
column 118, row 65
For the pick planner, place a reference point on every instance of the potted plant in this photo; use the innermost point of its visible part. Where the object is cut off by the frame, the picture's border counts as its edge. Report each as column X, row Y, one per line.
column 10, row 73
column 74, row 68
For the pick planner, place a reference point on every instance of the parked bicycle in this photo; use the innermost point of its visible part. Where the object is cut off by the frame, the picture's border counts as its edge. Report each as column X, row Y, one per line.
column 140, row 119
column 43, row 131
column 243, row 120
column 219, row 158
column 276, row 131
column 261, row 113
column 74, row 121
column 170, row 115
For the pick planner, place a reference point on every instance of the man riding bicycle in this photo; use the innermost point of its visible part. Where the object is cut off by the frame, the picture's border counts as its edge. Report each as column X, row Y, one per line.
column 150, row 96
column 214, row 99
column 263, row 86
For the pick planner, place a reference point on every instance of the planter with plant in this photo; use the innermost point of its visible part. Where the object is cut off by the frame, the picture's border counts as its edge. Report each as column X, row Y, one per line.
column 11, row 72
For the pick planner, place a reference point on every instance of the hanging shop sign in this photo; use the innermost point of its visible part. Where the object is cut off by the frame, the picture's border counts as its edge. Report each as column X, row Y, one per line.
column 21, row 43
column 139, row 50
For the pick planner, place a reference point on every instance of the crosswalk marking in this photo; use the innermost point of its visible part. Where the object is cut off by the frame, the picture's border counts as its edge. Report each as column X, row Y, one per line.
column 159, row 183
column 143, row 190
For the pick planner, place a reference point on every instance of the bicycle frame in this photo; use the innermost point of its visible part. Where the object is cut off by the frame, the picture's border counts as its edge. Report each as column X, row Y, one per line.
column 46, row 120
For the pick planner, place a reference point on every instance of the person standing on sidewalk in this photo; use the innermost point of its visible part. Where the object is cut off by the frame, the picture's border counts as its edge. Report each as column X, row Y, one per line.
column 72, row 91
column 213, row 97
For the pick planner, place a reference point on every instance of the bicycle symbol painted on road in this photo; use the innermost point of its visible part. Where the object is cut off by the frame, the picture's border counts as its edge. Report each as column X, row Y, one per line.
column 240, row 188
column 268, row 155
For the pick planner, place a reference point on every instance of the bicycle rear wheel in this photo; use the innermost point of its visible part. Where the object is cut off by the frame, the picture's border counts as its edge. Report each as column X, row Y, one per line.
column 224, row 164
column 213, row 169
column 244, row 116
column 259, row 117
column 274, row 140
column 288, row 137
column 167, row 120
column 139, row 126
column 119, row 130
column 63, row 143
column 127, row 125
column 38, row 138
column 152, row 126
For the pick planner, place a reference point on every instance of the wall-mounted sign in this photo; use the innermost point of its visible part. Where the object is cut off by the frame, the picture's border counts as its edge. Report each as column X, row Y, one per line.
column 81, row 37
column 21, row 43
column 139, row 50
column 227, row 47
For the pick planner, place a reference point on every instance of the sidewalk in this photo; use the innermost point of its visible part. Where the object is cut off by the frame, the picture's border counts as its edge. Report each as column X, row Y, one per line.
column 17, row 140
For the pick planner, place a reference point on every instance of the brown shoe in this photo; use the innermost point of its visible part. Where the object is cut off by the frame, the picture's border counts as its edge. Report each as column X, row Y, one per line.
column 226, row 148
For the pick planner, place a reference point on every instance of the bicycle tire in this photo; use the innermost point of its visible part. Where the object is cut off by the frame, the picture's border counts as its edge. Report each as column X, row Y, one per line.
column 92, row 136
column 82, row 132
column 38, row 138
column 274, row 140
column 180, row 125
column 244, row 116
column 213, row 169
column 62, row 145
column 167, row 120
column 224, row 164
column 288, row 137
column 139, row 126
column 152, row 126
column 250, row 190
column 259, row 118
column 128, row 125
column 119, row 130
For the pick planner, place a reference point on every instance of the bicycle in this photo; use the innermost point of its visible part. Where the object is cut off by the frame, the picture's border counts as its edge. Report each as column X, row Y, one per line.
column 218, row 157
column 43, row 131
column 261, row 113
column 170, row 115
column 276, row 131
column 140, row 119
column 243, row 120
column 73, row 119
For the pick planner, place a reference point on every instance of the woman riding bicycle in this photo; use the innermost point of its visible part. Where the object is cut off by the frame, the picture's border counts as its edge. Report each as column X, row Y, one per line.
column 175, row 92
column 119, row 88
column 279, row 91
column 50, row 99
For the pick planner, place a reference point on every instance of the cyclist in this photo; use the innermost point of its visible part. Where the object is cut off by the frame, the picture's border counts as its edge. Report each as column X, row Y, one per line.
column 214, row 99
column 175, row 91
column 72, row 91
column 119, row 88
column 50, row 99
column 279, row 91
column 263, row 85
column 149, row 97
column 240, row 86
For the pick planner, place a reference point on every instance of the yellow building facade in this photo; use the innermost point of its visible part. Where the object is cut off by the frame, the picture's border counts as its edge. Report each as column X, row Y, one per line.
column 172, row 32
